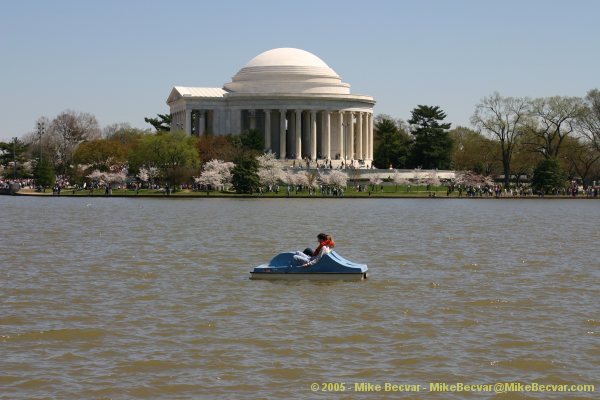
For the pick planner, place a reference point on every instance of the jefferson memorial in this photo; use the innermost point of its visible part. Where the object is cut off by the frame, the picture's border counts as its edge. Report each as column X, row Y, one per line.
column 294, row 98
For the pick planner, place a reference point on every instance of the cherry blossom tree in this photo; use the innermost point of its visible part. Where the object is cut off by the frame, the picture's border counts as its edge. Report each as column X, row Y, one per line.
column 96, row 176
column 143, row 175
column 398, row 179
column 301, row 179
column 216, row 174
column 288, row 177
column 338, row 179
column 269, row 170
column 112, row 178
column 432, row 179
column 375, row 181
column 418, row 176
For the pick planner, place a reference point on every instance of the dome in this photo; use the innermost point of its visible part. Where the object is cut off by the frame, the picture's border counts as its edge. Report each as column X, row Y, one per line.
column 290, row 57
column 287, row 71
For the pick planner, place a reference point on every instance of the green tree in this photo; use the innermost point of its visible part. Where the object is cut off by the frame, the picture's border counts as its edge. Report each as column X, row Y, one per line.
column 253, row 140
column 245, row 177
column 473, row 151
column 127, row 136
column 101, row 153
column 44, row 174
column 11, row 152
column 548, row 176
column 393, row 144
column 170, row 152
column 162, row 123
column 432, row 147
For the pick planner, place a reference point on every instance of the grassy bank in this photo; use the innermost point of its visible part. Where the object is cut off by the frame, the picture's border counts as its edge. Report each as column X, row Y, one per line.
column 387, row 192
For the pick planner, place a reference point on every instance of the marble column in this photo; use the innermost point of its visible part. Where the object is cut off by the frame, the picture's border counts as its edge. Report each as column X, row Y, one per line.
column 268, row 130
column 341, row 134
column 359, row 136
column 327, row 133
column 236, row 121
column 188, row 122
column 282, row 142
column 252, row 117
column 366, row 135
column 298, row 133
column 201, row 122
column 313, row 135
column 351, row 135
column 370, row 132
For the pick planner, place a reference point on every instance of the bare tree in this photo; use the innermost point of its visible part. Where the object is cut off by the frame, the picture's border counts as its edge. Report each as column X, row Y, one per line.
column 66, row 131
column 589, row 121
column 581, row 156
column 554, row 118
column 502, row 118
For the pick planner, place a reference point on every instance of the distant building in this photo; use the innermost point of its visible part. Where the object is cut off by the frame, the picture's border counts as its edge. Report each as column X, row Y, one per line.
column 296, row 100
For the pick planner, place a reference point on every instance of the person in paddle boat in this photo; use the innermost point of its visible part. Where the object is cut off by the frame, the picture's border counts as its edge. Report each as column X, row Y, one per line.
column 308, row 258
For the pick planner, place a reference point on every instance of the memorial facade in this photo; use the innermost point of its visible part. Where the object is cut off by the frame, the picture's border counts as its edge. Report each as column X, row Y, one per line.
column 293, row 98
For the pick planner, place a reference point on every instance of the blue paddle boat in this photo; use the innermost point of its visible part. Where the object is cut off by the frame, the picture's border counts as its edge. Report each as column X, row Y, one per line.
column 331, row 266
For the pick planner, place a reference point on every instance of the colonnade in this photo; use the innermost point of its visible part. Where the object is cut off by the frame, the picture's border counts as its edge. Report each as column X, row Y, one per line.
column 195, row 122
column 319, row 134
column 290, row 133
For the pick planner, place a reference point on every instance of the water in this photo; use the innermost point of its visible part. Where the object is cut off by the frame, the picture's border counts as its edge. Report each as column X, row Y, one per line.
column 150, row 298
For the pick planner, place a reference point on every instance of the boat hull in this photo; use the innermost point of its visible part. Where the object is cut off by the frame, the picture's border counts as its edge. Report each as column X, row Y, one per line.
column 331, row 266
column 274, row 276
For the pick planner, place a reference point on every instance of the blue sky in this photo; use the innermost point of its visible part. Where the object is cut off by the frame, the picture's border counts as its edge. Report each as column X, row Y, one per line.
column 119, row 59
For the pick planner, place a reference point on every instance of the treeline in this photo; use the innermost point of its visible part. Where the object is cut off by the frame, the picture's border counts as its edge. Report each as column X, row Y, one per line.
column 559, row 137
column 73, row 148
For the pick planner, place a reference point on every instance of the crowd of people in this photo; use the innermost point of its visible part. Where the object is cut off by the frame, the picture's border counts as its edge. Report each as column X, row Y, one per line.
column 521, row 191
column 463, row 190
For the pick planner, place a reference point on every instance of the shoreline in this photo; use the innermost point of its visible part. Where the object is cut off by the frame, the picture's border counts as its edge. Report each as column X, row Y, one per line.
column 202, row 195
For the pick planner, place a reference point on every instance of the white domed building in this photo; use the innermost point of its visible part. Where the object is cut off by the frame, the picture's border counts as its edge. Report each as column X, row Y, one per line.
column 290, row 95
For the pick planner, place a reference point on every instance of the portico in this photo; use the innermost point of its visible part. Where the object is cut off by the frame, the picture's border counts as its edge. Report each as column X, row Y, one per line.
column 300, row 105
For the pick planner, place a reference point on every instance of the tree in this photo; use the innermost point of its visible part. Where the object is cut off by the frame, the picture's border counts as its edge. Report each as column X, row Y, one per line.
column 473, row 151
column 44, row 174
column 100, row 153
column 393, row 144
column 143, row 175
column 66, row 132
column 554, row 118
column 162, row 123
column 589, row 120
column 432, row 147
column 178, row 175
column 11, row 153
column 398, row 179
column 374, row 181
column 503, row 118
column 581, row 157
column 548, row 176
column 216, row 174
column 216, row 147
column 337, row 179
column 245, row 175
column 252, row 140
column 523, row 161
column 126, row 136
column 269, row 169
column 173, row 153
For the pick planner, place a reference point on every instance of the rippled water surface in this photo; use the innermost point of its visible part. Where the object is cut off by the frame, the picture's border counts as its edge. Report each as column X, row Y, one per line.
column 150, row 298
